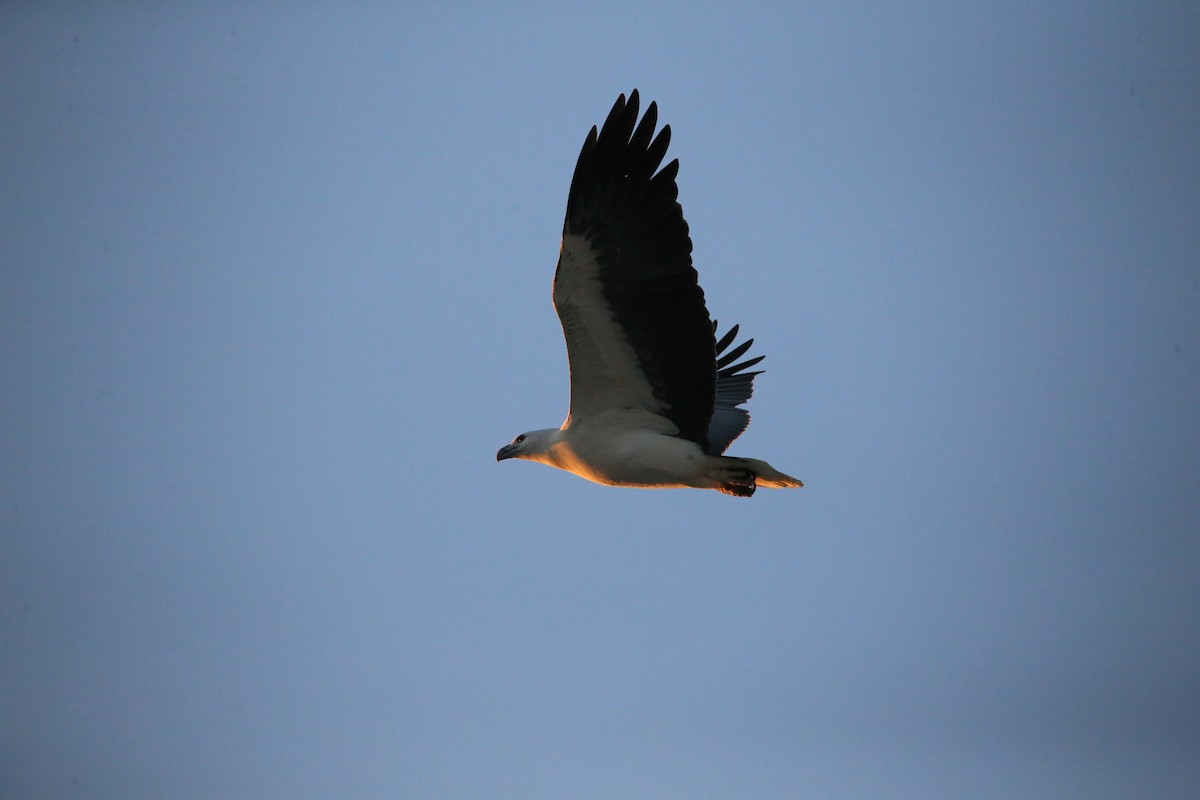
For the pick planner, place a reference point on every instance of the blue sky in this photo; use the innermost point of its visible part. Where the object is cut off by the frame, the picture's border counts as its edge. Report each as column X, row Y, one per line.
column 274, row 287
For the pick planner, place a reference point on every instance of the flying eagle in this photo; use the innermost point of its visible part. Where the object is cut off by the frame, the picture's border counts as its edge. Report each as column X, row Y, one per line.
column 655, row 397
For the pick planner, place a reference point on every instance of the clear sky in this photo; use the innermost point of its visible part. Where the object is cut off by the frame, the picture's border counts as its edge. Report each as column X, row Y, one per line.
column 275, row 286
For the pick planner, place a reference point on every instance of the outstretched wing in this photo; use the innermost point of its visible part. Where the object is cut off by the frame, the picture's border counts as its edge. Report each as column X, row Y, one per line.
column 734, row 387
column 639, row 338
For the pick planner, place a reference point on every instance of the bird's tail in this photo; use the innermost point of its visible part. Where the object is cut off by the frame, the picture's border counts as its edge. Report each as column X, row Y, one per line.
column 766, row 475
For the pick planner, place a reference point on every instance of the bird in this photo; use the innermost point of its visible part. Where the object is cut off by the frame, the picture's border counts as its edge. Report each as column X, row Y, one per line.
column 655, row 396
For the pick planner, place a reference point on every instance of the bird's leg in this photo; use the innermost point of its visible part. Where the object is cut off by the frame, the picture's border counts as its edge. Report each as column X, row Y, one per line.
column 737, row 482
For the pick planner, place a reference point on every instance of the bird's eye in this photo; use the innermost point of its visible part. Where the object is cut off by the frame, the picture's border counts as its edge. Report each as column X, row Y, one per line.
column 519, row 439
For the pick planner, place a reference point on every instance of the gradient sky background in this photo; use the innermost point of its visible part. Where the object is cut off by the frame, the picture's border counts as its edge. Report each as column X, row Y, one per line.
column 275, row 286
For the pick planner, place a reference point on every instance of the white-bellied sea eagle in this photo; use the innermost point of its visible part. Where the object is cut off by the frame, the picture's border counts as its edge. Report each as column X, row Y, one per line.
column 654, row 395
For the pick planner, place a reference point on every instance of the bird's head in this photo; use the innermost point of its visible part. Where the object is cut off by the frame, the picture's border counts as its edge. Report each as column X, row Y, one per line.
column 531, row 445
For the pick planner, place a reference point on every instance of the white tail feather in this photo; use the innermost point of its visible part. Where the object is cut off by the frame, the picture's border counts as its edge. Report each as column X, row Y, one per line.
column 768, row 476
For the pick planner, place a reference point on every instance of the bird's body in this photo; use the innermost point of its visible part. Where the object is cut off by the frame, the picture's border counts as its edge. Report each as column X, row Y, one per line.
column 654, row 396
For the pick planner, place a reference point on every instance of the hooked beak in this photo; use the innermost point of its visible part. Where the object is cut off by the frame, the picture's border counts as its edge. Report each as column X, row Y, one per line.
column 508, row 451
